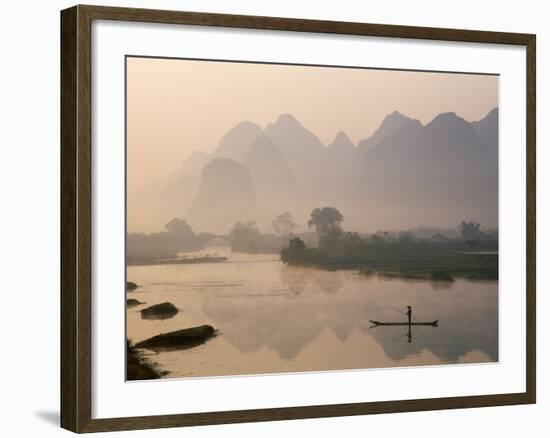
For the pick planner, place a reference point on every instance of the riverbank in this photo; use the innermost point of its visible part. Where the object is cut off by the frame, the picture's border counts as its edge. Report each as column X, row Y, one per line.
column 139, row 368
column 176, row 261
column 417, row 261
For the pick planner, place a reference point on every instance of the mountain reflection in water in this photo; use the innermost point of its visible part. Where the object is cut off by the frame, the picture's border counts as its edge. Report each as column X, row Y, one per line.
column 273, row 318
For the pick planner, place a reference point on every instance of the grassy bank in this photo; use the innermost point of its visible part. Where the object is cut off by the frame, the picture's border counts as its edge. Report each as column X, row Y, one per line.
column 139, row 368
column 419, row 260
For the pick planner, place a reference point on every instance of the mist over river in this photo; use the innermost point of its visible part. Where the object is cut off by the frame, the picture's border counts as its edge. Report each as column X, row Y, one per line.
column 275, row 318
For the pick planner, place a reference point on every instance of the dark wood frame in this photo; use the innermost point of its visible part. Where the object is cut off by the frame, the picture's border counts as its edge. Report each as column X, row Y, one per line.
column 76, row 219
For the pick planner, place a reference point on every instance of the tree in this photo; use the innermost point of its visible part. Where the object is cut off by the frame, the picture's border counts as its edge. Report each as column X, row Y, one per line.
column 470, row 230
column 177, row 236
column 340, row 245
column 380, row 237
column 405, row 237
column 179, row 227
column 244, row 236
column 284, row 225
column 326, row 221
column 295, row 253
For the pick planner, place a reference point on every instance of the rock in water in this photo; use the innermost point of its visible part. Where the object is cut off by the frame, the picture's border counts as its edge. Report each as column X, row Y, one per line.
column 130, row 286
column 179, row 339
column 159, row 311
column 130, row 302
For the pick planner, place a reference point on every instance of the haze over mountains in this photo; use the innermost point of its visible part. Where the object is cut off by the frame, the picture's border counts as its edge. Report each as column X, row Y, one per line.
column 404, row 175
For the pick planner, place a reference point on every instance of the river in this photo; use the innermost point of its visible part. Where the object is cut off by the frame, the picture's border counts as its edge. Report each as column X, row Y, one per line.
column 274, row 318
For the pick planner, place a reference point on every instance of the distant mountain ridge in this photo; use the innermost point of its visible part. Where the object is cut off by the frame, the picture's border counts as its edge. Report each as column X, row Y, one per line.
column 405, row 173
column 442, row 170
column 226, row 195
column 391, row 125
column 272, row 177
column 487, row 131
column 236, row 143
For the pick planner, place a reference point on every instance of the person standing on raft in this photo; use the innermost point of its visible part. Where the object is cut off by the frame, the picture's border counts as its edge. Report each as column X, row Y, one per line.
column 409, row 313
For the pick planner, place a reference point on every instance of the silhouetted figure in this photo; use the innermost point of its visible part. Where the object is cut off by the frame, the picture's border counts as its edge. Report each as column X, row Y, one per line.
column 409, row 313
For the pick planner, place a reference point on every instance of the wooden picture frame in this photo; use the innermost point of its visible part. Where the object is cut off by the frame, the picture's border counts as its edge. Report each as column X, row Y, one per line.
column 76, row 217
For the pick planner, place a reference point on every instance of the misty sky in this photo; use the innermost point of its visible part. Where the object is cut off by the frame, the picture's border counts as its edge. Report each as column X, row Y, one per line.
column 178, row 106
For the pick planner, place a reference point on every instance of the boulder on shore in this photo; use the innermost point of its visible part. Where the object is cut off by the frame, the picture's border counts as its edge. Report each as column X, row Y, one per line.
column 130, row 302
column 179, row 339
column 130, row 286
column 159, row 311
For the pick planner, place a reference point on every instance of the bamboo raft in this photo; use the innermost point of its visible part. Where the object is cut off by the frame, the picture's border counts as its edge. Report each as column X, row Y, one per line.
column 431, row 323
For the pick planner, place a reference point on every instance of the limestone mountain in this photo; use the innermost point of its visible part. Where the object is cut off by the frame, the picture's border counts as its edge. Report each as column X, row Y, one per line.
column 434, row 174
column 274, row 182
column 487, row 131
column 405, row 174
column 193, row 165
column 236, row 143
column 341, row 147
column 181, row 188
column 391, row 124
column 225, row 195
column 301, row 149
column 339, row 169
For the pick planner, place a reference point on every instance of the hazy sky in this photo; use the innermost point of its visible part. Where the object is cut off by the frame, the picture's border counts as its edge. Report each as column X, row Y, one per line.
column 178, row 106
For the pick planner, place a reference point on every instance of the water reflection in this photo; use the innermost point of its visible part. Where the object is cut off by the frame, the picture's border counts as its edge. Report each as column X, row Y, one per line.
column 288, row 325
column 298, row 280
column 441, row 285
column 274, row 318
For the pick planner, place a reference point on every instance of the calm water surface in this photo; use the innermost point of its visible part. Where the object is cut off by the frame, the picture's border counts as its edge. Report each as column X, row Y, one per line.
column 274, row 318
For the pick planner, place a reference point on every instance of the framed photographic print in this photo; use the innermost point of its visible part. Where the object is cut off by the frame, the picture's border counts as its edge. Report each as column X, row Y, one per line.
column 271, row 218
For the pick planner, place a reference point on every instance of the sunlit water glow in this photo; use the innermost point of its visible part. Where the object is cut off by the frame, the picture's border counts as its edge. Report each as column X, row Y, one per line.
column 273, row 318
